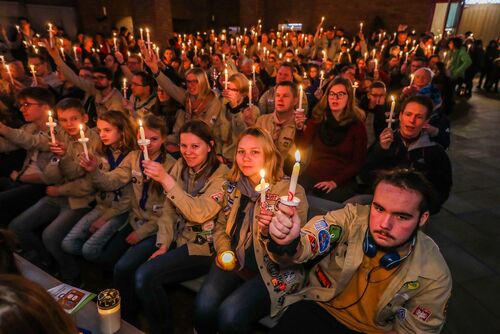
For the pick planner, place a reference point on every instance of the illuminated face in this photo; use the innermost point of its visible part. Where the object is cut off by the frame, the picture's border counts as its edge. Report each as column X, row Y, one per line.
column 283, row 99
column 193, row 86
column 33, row 110
column 155, row 138
column 194, row 150
column 377, row 95
column 284, row 74
column 70, row 120
column 412, row 120
column 110, row 135
column 250, row 157
column 422, row 78
column 138, row 88
column 395, row 215
column 337, row 98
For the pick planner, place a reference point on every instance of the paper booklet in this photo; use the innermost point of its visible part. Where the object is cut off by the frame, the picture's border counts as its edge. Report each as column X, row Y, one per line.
column 70, row 298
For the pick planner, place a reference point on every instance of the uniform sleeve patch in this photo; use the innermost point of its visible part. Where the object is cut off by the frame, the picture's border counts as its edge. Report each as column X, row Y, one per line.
column 401, row 314
column 422, row 313
column 335, row 233
column 217, row 197
column 324, row 240
column 313, row 243
column 320, row 225
column 411, row 285
column 322, row 278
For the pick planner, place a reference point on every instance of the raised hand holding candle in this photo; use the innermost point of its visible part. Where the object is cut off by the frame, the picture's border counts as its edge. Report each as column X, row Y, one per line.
column 51, row 124
column 291, row 199
column 143, row 142
column 391, row 114
column 33, row 72
column 83, row 140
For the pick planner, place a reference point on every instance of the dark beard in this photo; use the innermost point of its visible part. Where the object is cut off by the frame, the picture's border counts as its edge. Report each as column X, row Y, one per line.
column 100, row 88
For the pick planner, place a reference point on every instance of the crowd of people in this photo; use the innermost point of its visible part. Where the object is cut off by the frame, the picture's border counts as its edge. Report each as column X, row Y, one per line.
column 163, row 167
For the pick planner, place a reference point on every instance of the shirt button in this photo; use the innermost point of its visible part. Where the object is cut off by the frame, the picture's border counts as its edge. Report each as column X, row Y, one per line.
column 172, row 197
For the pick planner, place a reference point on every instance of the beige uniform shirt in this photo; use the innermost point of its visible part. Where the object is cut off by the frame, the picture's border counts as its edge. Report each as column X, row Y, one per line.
column 144, row 221
column 416, row 299
column 191, row 219
column 286, row 138
column 66, row 172
column 280, row 280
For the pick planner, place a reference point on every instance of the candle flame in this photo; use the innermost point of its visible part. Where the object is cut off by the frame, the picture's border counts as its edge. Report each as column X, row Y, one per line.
column 262, row 173
column 50, row 113
column 227, row 257
column 140, row 123
column 81, row 127
column 297, row 156
column 392, row 98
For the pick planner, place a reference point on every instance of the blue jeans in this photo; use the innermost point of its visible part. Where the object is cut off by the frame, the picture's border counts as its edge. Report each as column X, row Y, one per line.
column 174, row 266
column 79, row 241
column 226, row 303
column 124, row 273
column 58, row 218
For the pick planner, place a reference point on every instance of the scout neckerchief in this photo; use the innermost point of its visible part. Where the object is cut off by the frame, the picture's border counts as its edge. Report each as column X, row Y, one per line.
column 112, row 165
column 141, row 106
column 194, row 108
column 278, row 125
column 145, row 184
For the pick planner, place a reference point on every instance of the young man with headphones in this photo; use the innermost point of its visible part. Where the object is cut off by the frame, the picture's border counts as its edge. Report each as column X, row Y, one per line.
column 370, row 268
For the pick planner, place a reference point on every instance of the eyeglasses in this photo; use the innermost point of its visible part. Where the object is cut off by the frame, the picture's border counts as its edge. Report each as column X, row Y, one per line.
column 137, row 84
column 191, row 82
column 99, row 77
column 28, row 104
column 338, row 95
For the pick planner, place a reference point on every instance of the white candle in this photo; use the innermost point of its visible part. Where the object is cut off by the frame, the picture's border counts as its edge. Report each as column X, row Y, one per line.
column 75, row 53
column 295, row 177
column 51, row 39
column 249, row 93
column 321, row 78
column 225, row 78
column 124, row 87
column 114, row 43
column 354, row 87
column 391, row 114
column 361, row 27
column 412, row 76
column 376, row 64
column 157, row 52
column 10, row 74
column 18, row 29
column 324, row 56
column 51, row 125
column 148, row 40
column 253, row 73
column 142, row 34
column 104, row 12
column 340, row 57
column 62, row 53
column 84, row 142
column 143, row 140
column 223, row 58
column 33, row 72
column 301, row 89
column 2, row 59
column 262, row 186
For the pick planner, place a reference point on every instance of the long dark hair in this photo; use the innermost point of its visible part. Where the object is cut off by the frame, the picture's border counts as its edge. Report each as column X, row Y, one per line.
column 201, row 130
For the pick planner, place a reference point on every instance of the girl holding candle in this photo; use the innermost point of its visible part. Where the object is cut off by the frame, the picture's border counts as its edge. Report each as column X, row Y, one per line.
column 337, row 135
column 146, row 206
column 235, row 116
column 243, row 277
column 91, row 234
column 66, row 202
column 184, row 239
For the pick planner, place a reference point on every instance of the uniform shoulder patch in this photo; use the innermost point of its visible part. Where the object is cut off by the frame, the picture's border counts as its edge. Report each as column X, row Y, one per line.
column 217, row 196
column 411, row 285
column 313, row 243
column 324, row 240
column 335, row 233
column 422, row 313
column 320, row 225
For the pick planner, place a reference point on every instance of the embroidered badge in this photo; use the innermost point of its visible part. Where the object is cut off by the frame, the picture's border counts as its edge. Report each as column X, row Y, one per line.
column 134, row 179
column 335, row 233
column 422, row 313
column 314, row 244
column 208, row 226
column 412, row 285
column 322, row 278
column 324, row 240
column 401, row 314
column 320, row 225
column 217, row 197
column 157, row 208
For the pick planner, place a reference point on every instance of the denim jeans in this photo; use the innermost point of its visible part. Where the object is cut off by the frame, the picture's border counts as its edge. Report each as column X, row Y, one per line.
column 174, row 266
column 226, row 303
column 79, row 241
column 58, row 218
column 124, row 273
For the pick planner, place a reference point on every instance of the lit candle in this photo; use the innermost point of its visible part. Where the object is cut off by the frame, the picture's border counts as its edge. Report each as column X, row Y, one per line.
column 18, row 29
column 444, row 55
column 124, row 87
column 322, row 19
column 227, row 260
column 148, row 40
column 324, row 56
column 340, row 57
column 104, row 12
column 295, row 177
column 263, row 186
column 354, row 87
column 412, row 76
column 366, row 56
column 361, row 27
column 391, row 114
column 376, row 64
column 75, row 53
column 62, row 53
column 84, row 141
column 33, row 72
column 157, row 49
column 223, row 58
column 253, row 73
column 406, row 58
column 143, row 142
column 2, row 59
column 7, row 67
column 321, row 78
column 249, row 93
column 301, row 89
column 51, row 124
column 51, row 39
column 114, row 43
column 225, row 78
column 141, row 31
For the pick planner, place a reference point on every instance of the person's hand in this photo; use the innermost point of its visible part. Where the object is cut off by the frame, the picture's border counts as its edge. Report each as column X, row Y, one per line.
column 149, row 58
column 231, row 96
column 40, row 81
column 96, row 225
column 14, row 175
column 127, row 104
column 90, row 164
column 132, row 238
column 52, row 51
column 52, row 191
column 162, row 250
column 386, row 138
column 326, row 186
column 58, row 148
column 248, row 117
column 154, row 170
column 285, row 225
column 318, row 93
column 264, row 219
column 119, row 57
column 300, row 119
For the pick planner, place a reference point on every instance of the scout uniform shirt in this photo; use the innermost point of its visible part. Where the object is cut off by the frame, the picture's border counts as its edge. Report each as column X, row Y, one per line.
column 66, row 171
column 142, row 108
column 280, row 279
column 415, row 299
column 228, row 127
column 146, row 204
column 192, row 207
column 32, row 139
column 283, row 134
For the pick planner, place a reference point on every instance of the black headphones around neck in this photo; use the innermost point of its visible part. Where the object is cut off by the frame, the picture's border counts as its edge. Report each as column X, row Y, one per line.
column 391, row 259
